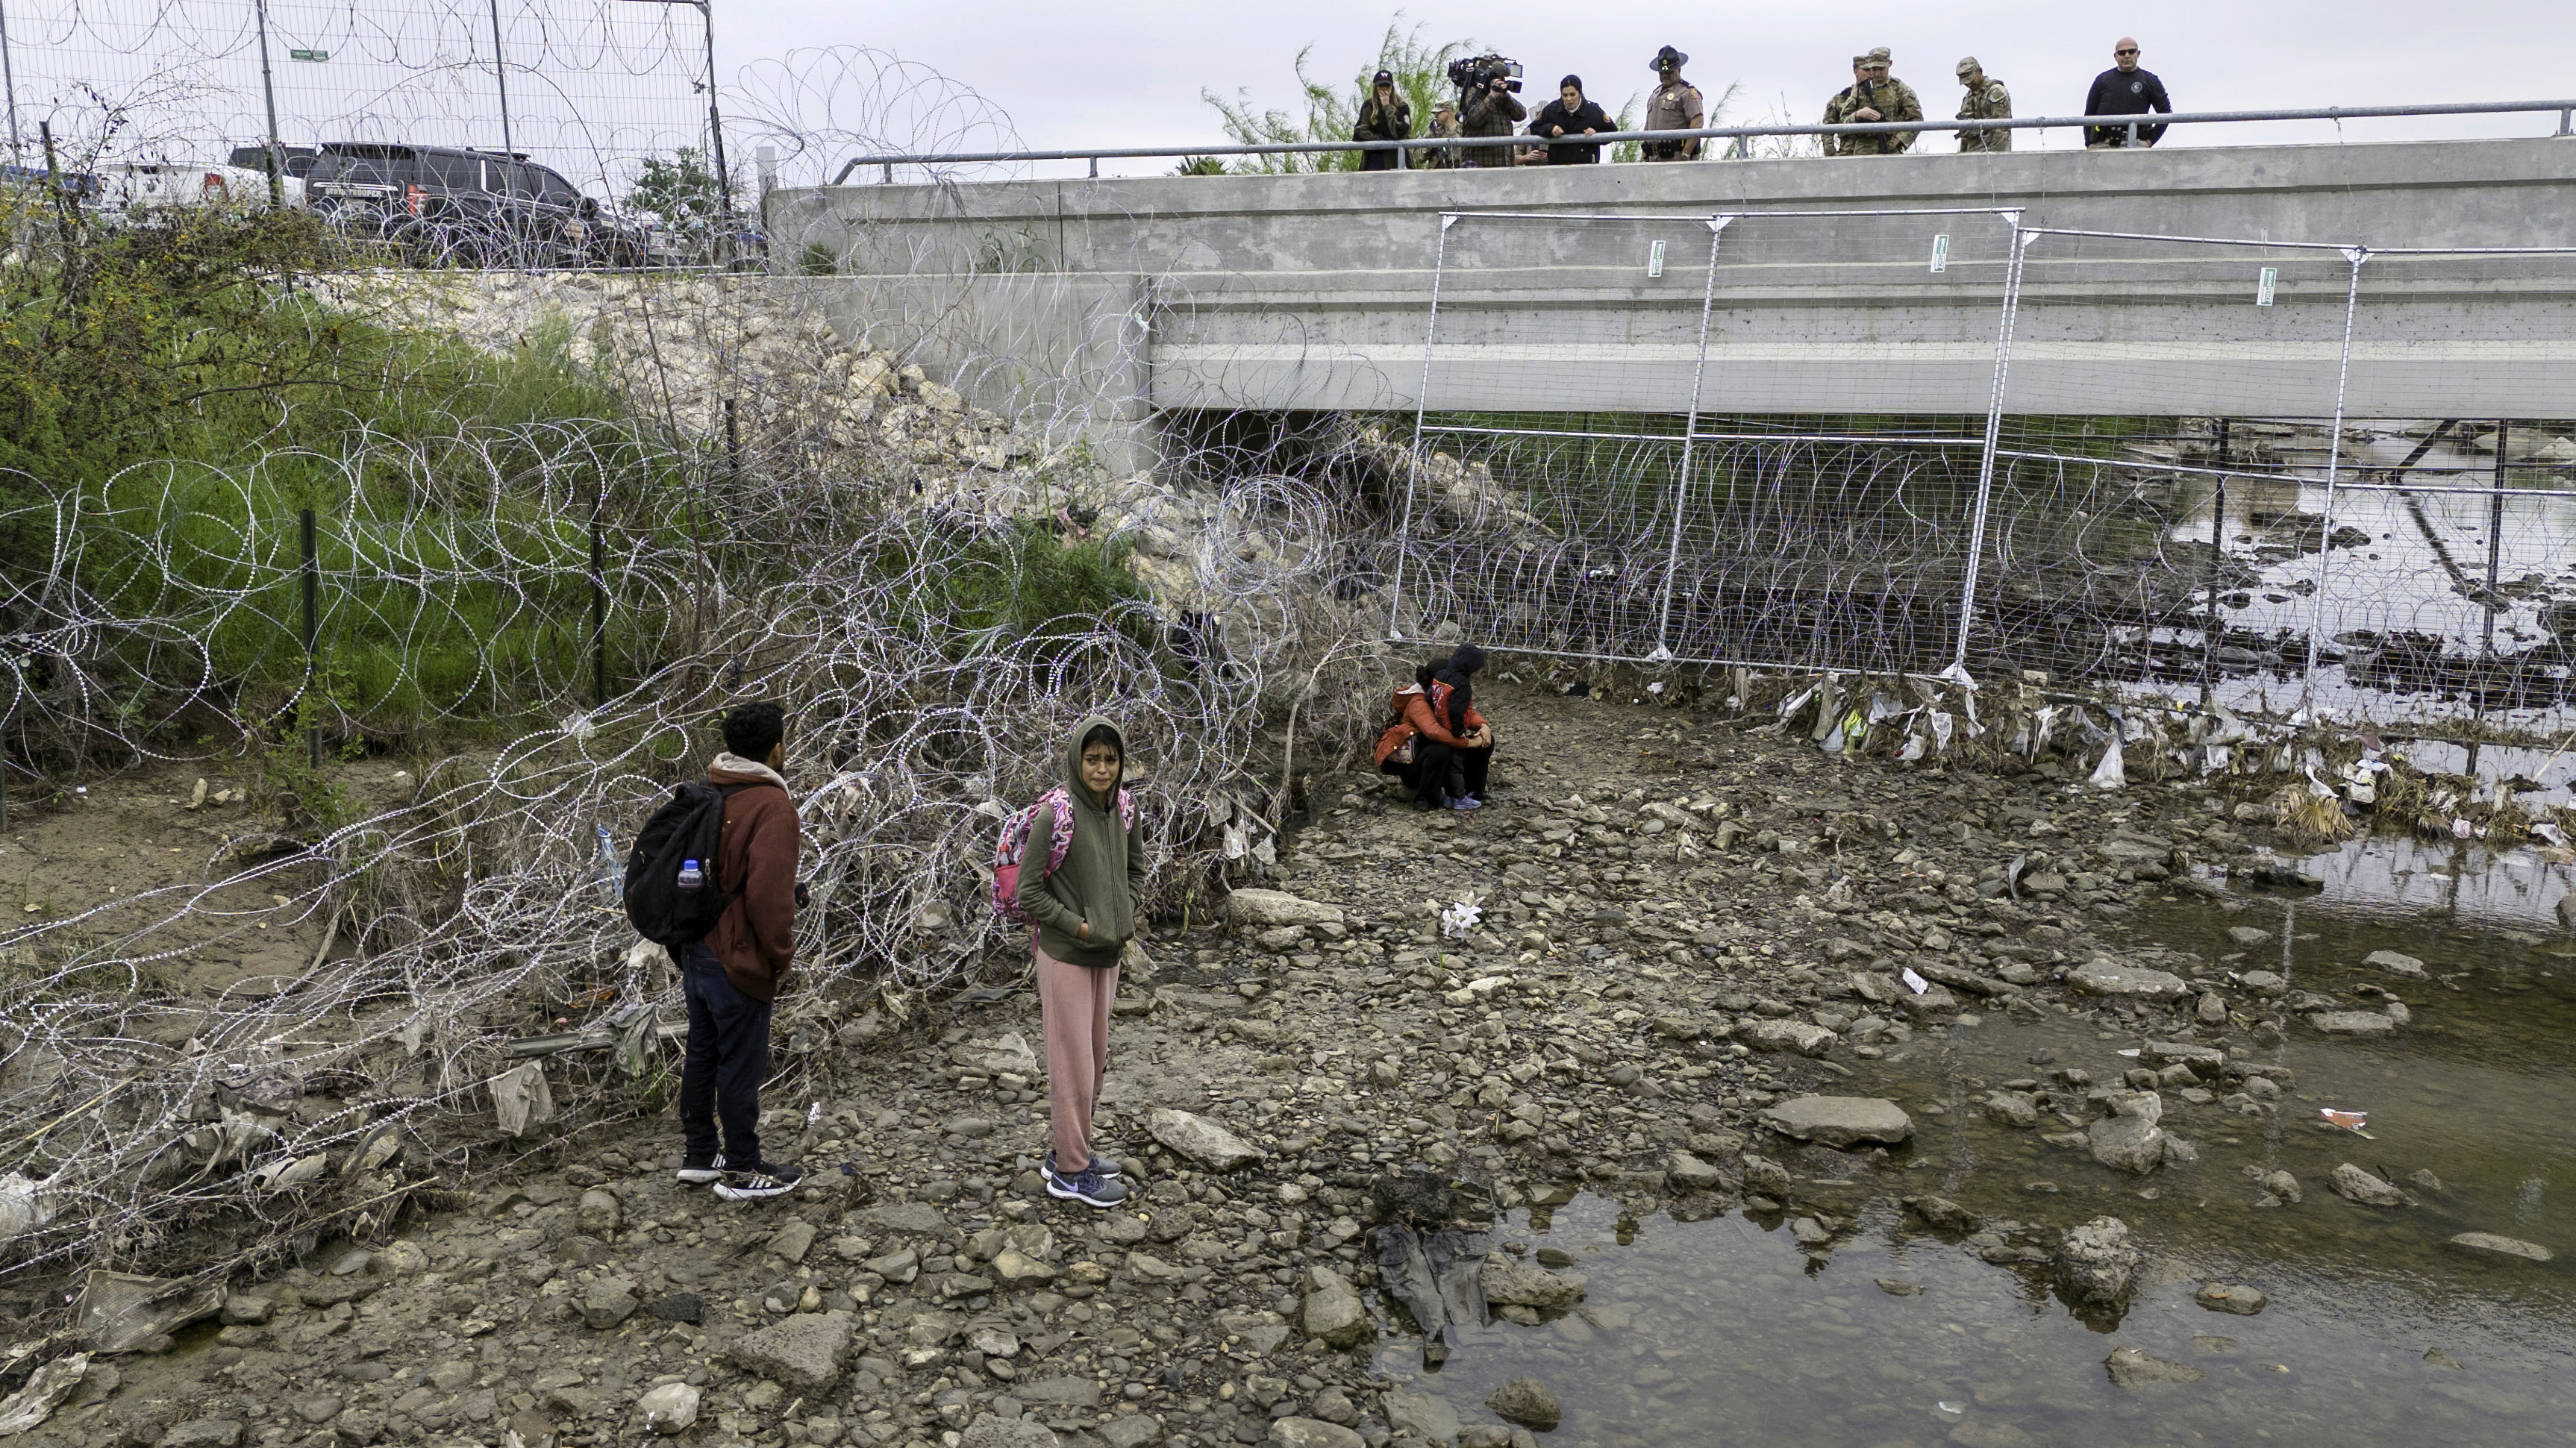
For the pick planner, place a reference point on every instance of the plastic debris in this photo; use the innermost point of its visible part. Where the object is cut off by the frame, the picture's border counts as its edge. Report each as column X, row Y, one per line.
column 2111, row 773
column 1460, row 918
column 521, row 1098
column 1916, row 983
column 2348, row 1120
column 31, row 1405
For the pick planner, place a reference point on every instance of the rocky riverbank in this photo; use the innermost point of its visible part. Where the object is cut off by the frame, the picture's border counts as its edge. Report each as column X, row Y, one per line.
column 1630, row 972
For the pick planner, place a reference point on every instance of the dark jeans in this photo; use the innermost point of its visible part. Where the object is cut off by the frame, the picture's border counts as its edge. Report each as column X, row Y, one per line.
column 1438, row 770
column 728, row 1055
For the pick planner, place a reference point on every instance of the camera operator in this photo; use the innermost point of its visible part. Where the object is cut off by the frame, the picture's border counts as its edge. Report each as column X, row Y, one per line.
column 1491, row 110
column 1570, row 114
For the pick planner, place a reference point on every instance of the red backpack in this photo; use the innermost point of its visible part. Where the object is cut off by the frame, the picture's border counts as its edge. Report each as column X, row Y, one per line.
column 1014, row 848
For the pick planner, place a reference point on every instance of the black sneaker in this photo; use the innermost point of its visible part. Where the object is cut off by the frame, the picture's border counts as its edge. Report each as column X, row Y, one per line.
column 1087, row 1187
column 750, row 1184
column 1101, row 1165
column 698, row 1171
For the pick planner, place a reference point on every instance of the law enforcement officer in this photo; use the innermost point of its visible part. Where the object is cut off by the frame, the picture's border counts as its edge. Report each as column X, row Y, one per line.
column 1986, row 100
column 1873, row 96
column 1675, row 106
column 2125, row 90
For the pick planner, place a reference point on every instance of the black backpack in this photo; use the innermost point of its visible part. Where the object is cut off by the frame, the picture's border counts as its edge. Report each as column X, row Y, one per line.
column 687, row 828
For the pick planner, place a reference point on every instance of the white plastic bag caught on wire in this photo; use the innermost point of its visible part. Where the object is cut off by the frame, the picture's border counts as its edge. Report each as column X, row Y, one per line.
column 521, row 1098
column 2111, row 773
column 1460, row 918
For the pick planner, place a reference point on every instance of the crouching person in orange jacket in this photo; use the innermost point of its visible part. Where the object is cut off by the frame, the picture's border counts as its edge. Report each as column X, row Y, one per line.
column 1437, row 743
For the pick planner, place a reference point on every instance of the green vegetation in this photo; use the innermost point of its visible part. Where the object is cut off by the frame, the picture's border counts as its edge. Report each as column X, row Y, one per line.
column 682, row 196
column 1421, row 78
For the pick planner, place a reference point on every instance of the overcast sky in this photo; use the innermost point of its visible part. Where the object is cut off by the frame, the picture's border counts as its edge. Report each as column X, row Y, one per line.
column 1129, row 72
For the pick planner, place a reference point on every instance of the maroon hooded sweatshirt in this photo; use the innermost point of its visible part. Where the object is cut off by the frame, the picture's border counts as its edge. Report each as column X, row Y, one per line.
column 755, row 938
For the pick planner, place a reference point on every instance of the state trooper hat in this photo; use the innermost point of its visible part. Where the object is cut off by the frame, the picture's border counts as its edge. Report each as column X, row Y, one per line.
column 1667, row 57
column 1967, row 66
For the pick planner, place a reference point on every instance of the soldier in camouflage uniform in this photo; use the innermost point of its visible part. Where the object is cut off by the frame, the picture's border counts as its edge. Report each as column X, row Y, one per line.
column 1987, row 100
column 1873, row 97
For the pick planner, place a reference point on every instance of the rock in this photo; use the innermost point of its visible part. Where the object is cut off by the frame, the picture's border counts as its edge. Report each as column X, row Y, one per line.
column 204, row 1433
column 1201, row 1140
column 1786, row 1035
column 2283, row 1185
column 802, row 1352
column 794, row 1240
column 2264, row 982
column 1525, row 1401
column 2355, row 1185
column 607, row 1302
column 2393, row 961
column 2130, row 1140
column 1311, row 1433
column 1766, row 1177
column 2231, row 1297
column 1687, row 1173
column 243, row 1310
column 1145, row 1267
column 1280, row 939
column 1839, row 1121
column 1019, row 1269
column 2011, row 1108
column 2509, row 1246
column 677, row 1307
column 2105, row 979
column 2206, row 1062
column 1945, row 1214
column 2129, row 1368
column 2423, row 1179
column 1335, row 1406
column 2247, row 936
column 119, row 1312
column 920, row 1218
column 991, row 1431
column 1140, row 1431
column 1333, row 1315
column 2212, row 1010
column 1510, row 1284
column 1264, row 909
column 2353, row 1023
column 898, row 1268
column 670, row 1408
column 600, row 1213
column 1421, row 1416
column 1061, row 1393
column 1261, row 1333
column 2096, row 1265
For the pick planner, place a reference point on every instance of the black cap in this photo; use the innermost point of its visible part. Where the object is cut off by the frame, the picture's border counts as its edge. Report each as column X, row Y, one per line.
column 1668, row 57
column 1384, row 77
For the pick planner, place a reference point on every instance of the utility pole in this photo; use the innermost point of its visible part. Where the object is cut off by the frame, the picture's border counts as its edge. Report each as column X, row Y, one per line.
column 501, row 80
column 9, row 74
column 268, row 91
column 715, row 121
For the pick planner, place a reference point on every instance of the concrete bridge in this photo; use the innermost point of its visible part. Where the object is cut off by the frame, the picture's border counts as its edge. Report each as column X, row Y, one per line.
column 2404, row 280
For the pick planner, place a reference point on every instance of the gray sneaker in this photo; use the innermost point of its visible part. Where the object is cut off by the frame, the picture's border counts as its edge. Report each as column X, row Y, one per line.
column 1100, row 1164
column 1087, row 1187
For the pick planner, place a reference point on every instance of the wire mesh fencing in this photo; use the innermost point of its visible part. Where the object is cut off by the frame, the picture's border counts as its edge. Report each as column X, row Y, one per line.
column 1944, row 443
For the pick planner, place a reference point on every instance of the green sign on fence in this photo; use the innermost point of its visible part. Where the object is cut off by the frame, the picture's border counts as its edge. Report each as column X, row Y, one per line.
column 313, row 55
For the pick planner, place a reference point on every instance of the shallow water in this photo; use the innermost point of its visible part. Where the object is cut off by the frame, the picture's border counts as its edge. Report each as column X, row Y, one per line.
column 1727, row 1331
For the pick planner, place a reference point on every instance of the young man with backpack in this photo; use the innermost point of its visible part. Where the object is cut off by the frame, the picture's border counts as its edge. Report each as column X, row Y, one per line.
column 735, row 840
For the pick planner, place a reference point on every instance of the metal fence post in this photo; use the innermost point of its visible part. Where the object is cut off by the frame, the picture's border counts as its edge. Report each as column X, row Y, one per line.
column 598, row 602
column 2217, row 560
column 312, row 580
column 1690, row 429
column 501, row 81
column 1421, row 405
column 1986, row 456
column 2355, row 256
column 9, row 78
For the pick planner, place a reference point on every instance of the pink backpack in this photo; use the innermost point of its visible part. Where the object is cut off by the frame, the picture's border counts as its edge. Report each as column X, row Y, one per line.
column 1014, row 848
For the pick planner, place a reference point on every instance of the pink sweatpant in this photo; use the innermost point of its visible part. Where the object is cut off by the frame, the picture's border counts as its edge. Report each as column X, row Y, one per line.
column 1074, row 1001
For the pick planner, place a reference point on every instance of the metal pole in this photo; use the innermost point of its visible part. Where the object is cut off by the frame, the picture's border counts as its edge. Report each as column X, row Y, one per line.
column 312, row 628
column 268, row 92
column 2217, row 558
column 2355, row 256
column 1986, row 456
column 598, row 603
column 2495, row 563
column 1421, row 404
column 715, row 120
column 501, row 82
column 9, row 74
column 1690, row 429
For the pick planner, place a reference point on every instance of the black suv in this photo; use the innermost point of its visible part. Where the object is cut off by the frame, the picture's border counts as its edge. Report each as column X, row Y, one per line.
column 444, row 205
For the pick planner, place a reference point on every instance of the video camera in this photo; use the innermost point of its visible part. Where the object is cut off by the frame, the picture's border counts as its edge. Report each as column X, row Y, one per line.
column 1480, row 72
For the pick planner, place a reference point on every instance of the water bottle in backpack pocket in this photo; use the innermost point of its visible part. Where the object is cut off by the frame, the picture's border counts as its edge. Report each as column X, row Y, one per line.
column 671, row 893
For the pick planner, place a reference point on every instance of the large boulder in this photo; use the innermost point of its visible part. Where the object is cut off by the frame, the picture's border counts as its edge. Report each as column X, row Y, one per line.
column 1422, row 1416
column 1526, row 1401
column 1840, row 1121
column 1510, row 1284
column 2355, row 1185
column 1798, row 1036
column 2129, row 1139
column 2506, row 1246
column 1201, row 1140
column 802, row 1352
column 1333, row 1315
column 1268, row 909
column 2354, row 1023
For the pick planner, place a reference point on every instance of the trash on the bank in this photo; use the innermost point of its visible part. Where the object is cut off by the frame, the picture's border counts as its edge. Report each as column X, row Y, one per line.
column 1916, row 983
column 2348, row 1120
column 1955, row 1410
column 2129, row 1051
column 31, row 1405
column 2111, row 773
column 1460, row 918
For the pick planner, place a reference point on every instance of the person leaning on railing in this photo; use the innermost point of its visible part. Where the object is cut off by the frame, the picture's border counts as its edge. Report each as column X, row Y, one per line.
column 1570, row 116
column 1384, row 116
column 1676, row 105
column 1491, row 111
column 1872, row 96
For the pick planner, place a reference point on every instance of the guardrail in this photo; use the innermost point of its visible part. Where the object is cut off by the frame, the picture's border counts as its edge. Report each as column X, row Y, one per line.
column 2566, row 110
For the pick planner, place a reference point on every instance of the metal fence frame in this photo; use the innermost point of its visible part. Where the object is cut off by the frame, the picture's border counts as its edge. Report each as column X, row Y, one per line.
column 1990, row 447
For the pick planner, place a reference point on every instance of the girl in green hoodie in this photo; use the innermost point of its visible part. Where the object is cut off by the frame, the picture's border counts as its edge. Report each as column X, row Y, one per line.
column 1085, row 909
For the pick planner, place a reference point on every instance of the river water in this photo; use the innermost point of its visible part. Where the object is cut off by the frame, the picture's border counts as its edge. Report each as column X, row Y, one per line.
column 2376, row 1327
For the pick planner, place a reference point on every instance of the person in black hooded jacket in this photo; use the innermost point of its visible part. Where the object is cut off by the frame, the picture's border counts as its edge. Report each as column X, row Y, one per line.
column 1453, row 697
column 1571, row 115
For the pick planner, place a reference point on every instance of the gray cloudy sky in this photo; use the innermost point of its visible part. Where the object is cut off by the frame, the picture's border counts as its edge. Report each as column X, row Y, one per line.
column 1129, row 72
